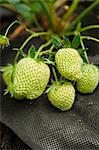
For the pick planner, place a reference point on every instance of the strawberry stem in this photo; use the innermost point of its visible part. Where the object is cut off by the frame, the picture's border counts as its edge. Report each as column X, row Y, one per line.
column 47, row 51
column 55, row 76
column 83, row 47
column 34, row 34
column 90, row 38
column 7, row 30
column 89, row 27
column 42, row 47
column 82, row 30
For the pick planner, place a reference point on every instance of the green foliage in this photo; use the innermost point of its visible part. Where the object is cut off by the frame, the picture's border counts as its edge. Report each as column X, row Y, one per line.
column 27, row 8
column 76, row 41
column 57, row 42
column 66, row 42
column 31, row 51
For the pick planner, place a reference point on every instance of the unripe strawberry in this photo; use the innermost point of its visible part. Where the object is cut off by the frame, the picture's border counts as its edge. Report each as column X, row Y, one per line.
column 30, row 78
column 62, row 96
column 7, row 73
column 4, row 41
column 7, row 77
column 89, row 80
column 68, row 63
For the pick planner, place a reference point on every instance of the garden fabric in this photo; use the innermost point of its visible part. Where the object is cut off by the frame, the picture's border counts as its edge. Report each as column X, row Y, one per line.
column 44, row 127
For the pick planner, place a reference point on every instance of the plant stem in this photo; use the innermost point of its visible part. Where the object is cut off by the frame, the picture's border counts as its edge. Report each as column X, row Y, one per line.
column 70, row 33
column 89, row 27
column 27, row 40
column 58, row 4
column 48, row 13
column 78, row 26
column 47, row 51
column 55, row 76
column 83, row 14
column 83, row 47
column 37, row 23
column 41, row 47
column 71, row 10
column 7, row 30
column 82, row 29
column 90, row 38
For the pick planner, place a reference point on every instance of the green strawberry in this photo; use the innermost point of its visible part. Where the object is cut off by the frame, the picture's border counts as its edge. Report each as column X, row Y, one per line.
column 7, row 77
column 7, row 73
column 30, row 78
column 62, row 96
column 68, row 63
column 89, row 80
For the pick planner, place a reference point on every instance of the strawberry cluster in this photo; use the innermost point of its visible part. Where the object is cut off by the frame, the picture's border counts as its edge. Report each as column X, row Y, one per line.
column 28, row 78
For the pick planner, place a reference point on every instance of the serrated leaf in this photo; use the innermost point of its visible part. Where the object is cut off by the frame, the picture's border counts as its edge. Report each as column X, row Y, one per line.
column 31, row 52
column 66, row 42
column 76, row 41
column 57, row 42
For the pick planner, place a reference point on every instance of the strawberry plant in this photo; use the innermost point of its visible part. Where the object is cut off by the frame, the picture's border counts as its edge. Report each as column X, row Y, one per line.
column 57, row 16
column 28, row 76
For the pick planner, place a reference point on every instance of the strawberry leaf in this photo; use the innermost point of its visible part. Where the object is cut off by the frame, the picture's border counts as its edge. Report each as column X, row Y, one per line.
column 66, row 42
column 76, row 41
column 57, row 42
column 31, row 52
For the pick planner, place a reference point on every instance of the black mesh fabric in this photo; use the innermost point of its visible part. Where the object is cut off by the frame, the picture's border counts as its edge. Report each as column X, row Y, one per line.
column 44, row 127
column 39, row 123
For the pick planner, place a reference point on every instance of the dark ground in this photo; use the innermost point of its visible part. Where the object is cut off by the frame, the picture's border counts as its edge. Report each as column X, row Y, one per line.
column 10, row 141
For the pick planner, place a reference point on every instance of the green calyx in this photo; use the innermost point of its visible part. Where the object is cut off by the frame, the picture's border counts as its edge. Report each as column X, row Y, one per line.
column 4, row 41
